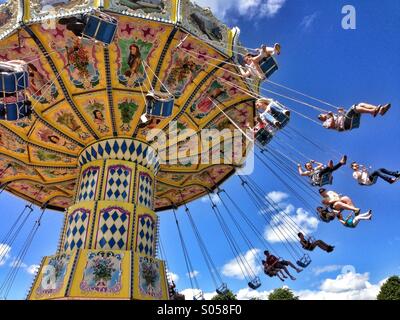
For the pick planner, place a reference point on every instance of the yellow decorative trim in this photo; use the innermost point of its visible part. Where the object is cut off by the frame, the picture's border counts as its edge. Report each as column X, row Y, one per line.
column 27, row 11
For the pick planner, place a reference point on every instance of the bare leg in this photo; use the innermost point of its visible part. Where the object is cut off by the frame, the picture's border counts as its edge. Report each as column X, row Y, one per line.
column 280, row 277
column 364, row 216
column 366, row 108
column 343, row 206
column 288, row 273
column 323, row 246
column 294, row 267
column 347, row 200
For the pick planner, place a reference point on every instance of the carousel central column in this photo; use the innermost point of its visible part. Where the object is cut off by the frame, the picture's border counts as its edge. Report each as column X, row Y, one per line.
column 108, row 246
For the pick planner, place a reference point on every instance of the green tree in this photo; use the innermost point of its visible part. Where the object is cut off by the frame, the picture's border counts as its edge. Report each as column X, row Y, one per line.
column 228, row 296
column 390, row 290
column 282, row 294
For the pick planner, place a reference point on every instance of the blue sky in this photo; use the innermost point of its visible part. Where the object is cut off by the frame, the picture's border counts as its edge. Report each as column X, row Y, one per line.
column 340, row 66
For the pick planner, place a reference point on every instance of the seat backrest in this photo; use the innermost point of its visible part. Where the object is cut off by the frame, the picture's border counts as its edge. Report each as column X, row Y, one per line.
column 269, row 66
column 356, row 121
column 263, row 136
column 326, row 179
column 100, row 29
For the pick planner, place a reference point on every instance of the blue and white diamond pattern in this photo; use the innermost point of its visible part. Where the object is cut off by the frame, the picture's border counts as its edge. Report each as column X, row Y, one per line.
column 145, row 191
column 88, row 185
column 145, row 235
column 112, row 233
column 77, row 225
column 122, row 149
column 118, row 183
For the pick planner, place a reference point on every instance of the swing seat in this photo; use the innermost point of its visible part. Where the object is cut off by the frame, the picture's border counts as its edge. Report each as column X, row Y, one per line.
column 268, row 66
column 15, row 111
column 222, row 290
column 304, row 262
column 160, row 107
column 199, row 296
column 280, row 113
column 100, row 27
column 355, row 121
column 13, row 82
column 263, row 136
column 326, row 179
column 323, row 180
column 255, row 283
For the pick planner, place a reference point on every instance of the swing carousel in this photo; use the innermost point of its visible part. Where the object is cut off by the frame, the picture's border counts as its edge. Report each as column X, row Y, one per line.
column 102, row 106
column 84, row 83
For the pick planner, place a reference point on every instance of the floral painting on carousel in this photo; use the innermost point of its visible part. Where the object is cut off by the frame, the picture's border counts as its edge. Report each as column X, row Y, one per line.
column 78, row 57
column 53, row 275
column 102, row 272
column 127, row 111
column 150, row 283
column 181, row 72
column 68, row 120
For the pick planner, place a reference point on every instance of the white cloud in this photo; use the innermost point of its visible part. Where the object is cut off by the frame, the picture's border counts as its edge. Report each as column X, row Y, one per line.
column 215, row 198
column 325, row 269
column 4, row 253
column 189, row 293
column 193, row 274
column 348, row 286
column 245, row 8
column 173, row 276
column 308, row 21
column 277, row 196
column 233, row 269
column 17, row 263
column 247, row 294
column 271, row 7
column 32, row 269
column 285, row 224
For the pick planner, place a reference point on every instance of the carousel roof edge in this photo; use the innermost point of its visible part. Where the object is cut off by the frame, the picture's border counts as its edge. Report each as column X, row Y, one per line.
column 184, row 14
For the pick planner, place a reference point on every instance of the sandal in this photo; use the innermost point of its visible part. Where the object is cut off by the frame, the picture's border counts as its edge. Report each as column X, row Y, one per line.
column 385, row 109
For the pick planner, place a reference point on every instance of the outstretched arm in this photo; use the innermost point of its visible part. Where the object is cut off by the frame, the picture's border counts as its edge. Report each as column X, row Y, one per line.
column 301, row 172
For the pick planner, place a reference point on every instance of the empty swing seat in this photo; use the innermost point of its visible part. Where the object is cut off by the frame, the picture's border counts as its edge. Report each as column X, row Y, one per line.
column 268, row 66
column 13, row 82
column 263, row 136
column 255, row 283
column 15, row 111
column 199, row 296
column 304, row 262
column 100, row 27
column 159, row 105
column 222, row 290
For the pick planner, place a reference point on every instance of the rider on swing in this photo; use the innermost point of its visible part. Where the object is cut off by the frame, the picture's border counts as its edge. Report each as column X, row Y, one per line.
column 343, row 121
column 316, row 172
